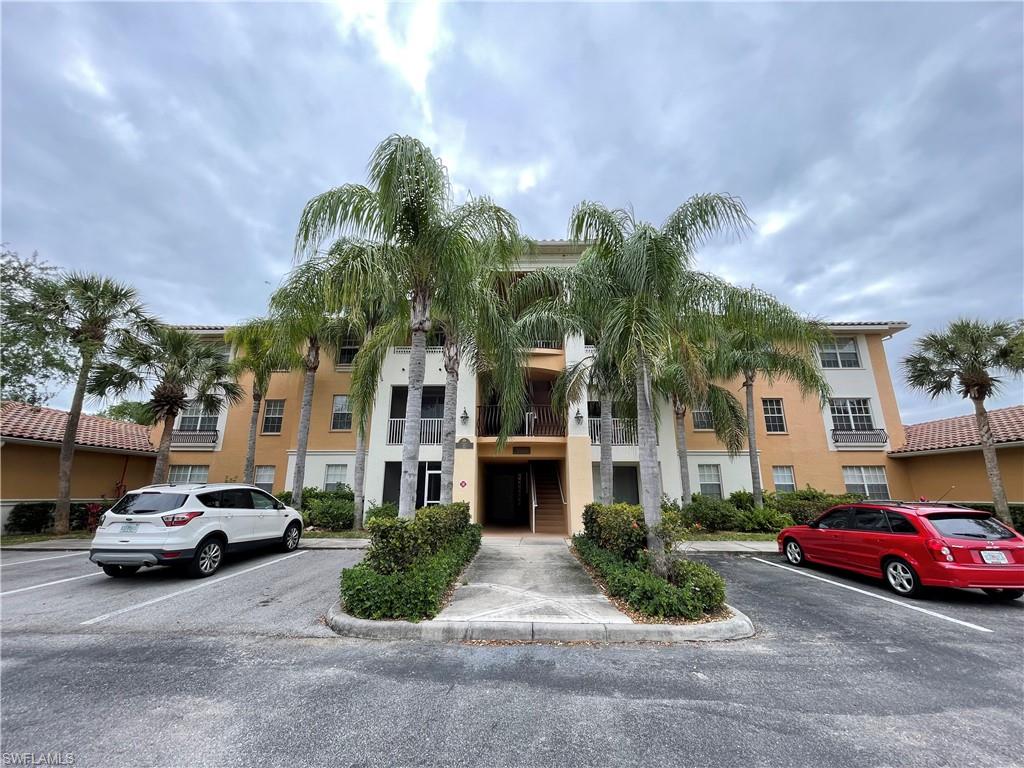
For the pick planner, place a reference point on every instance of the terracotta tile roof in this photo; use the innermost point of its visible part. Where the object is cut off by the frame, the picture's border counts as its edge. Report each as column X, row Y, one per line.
column 19, row 420
column 962, row 432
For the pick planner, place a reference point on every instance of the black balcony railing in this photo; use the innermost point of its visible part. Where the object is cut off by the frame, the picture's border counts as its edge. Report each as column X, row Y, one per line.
column 538, row 421
column 859, row 437
column 546, row 344
column 206, row 439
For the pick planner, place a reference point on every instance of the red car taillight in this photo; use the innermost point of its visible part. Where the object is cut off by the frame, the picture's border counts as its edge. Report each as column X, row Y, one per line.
column 180, row 518
column 939, row 550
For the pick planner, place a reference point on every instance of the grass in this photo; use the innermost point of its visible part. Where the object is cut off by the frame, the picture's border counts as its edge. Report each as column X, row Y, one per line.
column 350, row 534
column 730, row 536
column 10, row 539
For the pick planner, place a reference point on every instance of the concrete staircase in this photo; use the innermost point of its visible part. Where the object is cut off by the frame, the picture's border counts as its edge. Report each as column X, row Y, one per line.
column 549, row 516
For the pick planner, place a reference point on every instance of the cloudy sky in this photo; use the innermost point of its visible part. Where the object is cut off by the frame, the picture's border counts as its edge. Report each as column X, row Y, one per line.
column 878, row 146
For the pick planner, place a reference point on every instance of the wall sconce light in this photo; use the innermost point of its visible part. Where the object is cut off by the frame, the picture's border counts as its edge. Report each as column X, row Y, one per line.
column 579, row 416
column 464, row 418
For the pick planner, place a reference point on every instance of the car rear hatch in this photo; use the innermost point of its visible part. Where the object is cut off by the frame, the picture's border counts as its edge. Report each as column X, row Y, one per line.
column 136, row 521
column 978, row 538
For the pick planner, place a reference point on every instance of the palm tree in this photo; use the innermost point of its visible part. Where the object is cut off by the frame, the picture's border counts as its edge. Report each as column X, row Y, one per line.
column 648, row 267
column 259, row 356
column 968, row 357
column 181, row 370
column 132, row 411
column 94, row 313
column 304, row 327
column 414, row 239
column 763, row 337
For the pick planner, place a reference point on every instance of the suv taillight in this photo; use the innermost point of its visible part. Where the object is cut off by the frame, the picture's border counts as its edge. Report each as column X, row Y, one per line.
column 179, row 518
column 939, row 550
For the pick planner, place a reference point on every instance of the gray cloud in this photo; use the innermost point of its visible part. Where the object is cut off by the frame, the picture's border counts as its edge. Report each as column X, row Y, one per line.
column 877, row 146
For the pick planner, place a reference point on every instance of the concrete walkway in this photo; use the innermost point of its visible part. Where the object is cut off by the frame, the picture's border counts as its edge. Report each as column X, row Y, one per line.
column 529, row 580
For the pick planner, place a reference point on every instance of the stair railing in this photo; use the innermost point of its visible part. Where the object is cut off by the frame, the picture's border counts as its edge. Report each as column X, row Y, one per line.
column 533, row 502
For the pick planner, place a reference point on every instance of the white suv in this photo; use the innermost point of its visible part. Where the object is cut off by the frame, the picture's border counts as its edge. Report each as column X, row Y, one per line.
column 192, row 524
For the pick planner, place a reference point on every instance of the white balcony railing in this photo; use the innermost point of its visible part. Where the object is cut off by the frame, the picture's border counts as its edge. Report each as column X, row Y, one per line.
column 623, row 432
column 430, row 431
column 408, row 350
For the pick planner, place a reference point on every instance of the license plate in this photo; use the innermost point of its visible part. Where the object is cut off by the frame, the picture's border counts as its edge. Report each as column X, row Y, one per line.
column 129, row 527
column 994, row 557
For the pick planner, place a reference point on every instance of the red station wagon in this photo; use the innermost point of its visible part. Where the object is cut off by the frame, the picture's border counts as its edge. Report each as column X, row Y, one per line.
column 914, row 545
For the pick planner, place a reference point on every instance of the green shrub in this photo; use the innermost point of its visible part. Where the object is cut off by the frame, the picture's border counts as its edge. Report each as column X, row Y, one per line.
column 619, row 528
column 703, row 584
column 764, row 520
column 37, row 516
column 335, row 514
column 394, row 545
column 384, row 509
column 742, row 500
column 437, row 524
column 415, row 592
column 676, row 525
column 807, row 503
column 712, row 514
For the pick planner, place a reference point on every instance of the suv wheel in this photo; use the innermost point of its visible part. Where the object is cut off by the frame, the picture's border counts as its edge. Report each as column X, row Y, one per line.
column 209, row 555
column 794, row 552
column 120, row 571
column 291, row 537
column 902, row 578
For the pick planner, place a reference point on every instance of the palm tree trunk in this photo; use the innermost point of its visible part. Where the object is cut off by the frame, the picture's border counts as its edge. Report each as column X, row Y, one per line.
column 755, row 467
column 359, row 477
column 451, row 393
column 988, row 450
column 250, row 451
column 650, row 472
column 679, row 411
column 312, row 362
column 62, row 511
column 607, row 465
column 414, row 406
column 163, row 453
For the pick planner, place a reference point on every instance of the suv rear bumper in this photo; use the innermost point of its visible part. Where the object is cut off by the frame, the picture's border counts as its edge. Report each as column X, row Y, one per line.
column 138, row 556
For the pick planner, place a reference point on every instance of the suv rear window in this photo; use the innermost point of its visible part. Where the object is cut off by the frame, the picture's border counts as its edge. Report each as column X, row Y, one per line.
column 148, row 503
column 960, row 526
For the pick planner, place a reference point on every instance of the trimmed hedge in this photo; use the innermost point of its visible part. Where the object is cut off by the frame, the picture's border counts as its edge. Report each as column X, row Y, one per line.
column 384, row 509
column 37, row 516
column 619, row 528
column 331, row 514
column 311, row 495
column 693, row 591
column 806, row 504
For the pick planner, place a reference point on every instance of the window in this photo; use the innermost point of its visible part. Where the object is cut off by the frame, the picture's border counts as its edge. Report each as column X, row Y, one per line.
column 265, row 478
column 784, row 479
column 868, row 481
column 841, row 352
column 702, row 418
column 196, row 419
column 236, row 498
column 341, row 414
column 957, row 525
column 261, row 500
column 188, row 473
column 851, row 414
column 148, row 503
column 334, row 476
column 710, row 477
column 273, row 417
column 870, row 520
column 837, row 519
column 899, row 524
column 774, row 416
column 347, row 352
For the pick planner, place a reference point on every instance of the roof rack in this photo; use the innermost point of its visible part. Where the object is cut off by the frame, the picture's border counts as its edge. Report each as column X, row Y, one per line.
column 899, row 503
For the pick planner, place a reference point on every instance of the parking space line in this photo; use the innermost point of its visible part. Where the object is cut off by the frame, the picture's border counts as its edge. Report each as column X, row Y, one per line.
column 49, row 584
column 209, row 583
column 41, row 559
column 900, row 603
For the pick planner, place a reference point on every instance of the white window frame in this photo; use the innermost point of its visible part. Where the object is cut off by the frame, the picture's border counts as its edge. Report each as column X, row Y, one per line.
column 341, row 472
column 708, row 424
column 831, row 353
column 188, row 473
column 781, row 414
column 787, row 485
column 275, row 415
column 846, row 411
column 195, row 418
column 260, row 480
column 335, row 413
column 708, row 475
column 856, row 479
column 432, row 468
column 349, row 344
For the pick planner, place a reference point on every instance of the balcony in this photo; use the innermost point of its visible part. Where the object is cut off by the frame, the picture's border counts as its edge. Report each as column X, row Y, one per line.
column 207, row 439
column 546, row 344
column 623, row 432
column 539, row 421
column 875, row 438
column 430, row 431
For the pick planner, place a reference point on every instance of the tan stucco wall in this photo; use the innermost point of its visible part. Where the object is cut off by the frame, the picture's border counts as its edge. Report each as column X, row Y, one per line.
column 30, row 472
column 931, row 475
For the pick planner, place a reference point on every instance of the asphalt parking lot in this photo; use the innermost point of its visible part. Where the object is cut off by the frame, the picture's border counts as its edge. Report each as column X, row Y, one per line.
column 238, row 670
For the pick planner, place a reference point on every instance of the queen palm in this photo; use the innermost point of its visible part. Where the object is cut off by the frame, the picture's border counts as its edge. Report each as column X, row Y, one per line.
column 416, row 240
column 304, row 327
column 970, row 357
column 765, row 338
column 258, row 356
column 181, row 370
column 94, row 313
column 648, row 267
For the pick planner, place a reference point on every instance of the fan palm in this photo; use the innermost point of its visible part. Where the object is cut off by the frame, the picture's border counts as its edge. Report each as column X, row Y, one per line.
column 94, row 314
column 258, row 356
column 970, row 357
column 181, row 370
column 648, row 269
column 765, row 338
column 416, row 240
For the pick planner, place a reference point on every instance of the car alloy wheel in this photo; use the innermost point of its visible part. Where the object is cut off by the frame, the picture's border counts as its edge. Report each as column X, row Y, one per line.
column 209, row 557
column 794, row 554
column 291, row 537
column 901, row 577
